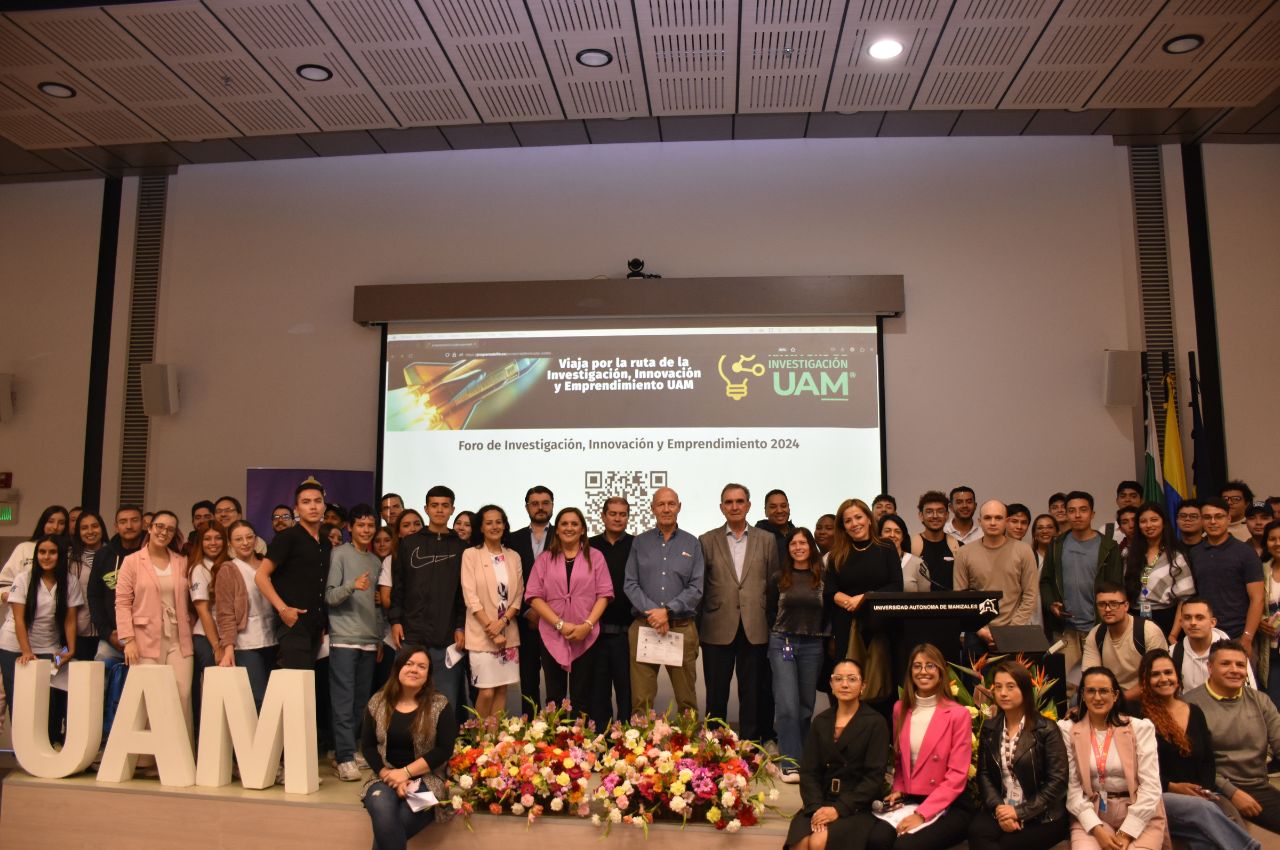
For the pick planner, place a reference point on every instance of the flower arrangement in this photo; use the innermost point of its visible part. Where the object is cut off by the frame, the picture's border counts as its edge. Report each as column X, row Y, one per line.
column 680, row 768
column 652, row 768
column 524, row 766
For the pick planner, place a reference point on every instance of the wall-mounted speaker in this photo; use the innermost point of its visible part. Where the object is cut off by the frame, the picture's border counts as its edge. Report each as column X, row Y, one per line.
column 6, row 397
column 1122, row 382
column 159, row 389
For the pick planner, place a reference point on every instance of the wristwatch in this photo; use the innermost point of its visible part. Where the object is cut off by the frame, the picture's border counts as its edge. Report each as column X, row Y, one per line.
column 559, row 625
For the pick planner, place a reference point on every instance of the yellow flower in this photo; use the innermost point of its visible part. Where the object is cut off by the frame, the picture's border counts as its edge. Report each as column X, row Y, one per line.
column 562, row 779
column 713, row 815
column 568, row 762
column 677, row 788
column 514, row 771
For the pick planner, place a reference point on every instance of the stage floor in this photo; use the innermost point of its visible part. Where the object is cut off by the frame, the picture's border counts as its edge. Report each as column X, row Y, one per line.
column 81, row 812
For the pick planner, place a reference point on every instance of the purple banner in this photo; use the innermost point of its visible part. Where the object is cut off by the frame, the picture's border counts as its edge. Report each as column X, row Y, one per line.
column 266, row 488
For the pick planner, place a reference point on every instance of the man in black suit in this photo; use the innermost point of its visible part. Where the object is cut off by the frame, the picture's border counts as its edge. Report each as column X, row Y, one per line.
column 528, row 543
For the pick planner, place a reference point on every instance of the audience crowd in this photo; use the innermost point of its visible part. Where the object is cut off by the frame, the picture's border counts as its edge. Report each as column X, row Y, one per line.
column 1168, row 625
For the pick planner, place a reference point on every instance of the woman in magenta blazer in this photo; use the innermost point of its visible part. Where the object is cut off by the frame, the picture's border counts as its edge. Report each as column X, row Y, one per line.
column 933, row 748
column 569, row 588
column 153, row 606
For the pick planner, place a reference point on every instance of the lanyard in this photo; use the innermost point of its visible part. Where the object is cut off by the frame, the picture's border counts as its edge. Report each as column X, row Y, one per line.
column 1101, row 757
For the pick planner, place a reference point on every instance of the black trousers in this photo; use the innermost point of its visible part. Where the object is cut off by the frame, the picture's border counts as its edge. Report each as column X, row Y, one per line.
column 530, row 665
column 945, row 832
column 582, row 683
column 613, row 666
column 986, row 834
column 1269, row 798
column 300, row 642
column 719, row 662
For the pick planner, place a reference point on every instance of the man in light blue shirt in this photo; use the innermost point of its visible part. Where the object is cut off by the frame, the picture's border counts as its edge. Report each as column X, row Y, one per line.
column 663, row 582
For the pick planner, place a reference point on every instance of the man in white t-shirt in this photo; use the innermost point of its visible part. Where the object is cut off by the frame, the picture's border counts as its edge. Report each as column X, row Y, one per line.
column 1191, row 654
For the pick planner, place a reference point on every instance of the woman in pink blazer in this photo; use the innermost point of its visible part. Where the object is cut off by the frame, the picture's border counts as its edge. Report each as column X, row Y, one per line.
column 569, row 588
column 153, row 604
column 492, row 587
column 933, row 748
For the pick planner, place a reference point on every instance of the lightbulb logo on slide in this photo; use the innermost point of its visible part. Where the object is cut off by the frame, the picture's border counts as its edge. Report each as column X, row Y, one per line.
column 737, row 390
column 825, row 377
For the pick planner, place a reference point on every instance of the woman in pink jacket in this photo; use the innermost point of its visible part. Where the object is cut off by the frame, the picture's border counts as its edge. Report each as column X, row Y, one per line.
column 933, row 748
column 569, row 588
column 152, row 605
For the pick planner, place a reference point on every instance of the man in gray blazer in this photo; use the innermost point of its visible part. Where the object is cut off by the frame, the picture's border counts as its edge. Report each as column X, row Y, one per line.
column 740, row 562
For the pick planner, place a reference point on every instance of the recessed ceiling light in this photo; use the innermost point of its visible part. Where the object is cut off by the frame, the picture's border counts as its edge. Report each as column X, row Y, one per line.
column 1183, row 44
column 885, row 48
column 314, row 73
column 594, row 57
column 57, row 90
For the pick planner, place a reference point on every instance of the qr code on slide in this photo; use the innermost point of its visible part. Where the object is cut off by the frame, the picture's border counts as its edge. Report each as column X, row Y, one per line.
column 636, row 486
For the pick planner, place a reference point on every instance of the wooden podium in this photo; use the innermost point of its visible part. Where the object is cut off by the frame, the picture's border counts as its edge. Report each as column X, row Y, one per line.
column 937, row 618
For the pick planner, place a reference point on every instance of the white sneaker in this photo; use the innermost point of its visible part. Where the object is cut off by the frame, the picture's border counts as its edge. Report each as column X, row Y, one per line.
column 361, row 763
column 348, row 772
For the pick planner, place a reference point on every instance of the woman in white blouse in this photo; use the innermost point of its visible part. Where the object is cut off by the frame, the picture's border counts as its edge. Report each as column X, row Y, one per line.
column 1113, row 792
column 43, row 600
column 1157, row 576
column 492, row 587
column 246, row 620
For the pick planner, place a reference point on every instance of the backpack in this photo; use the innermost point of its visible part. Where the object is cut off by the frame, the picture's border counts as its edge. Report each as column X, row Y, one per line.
column 1139, row 639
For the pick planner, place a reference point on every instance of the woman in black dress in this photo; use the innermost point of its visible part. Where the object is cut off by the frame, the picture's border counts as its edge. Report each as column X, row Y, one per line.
column 859, row 563
column 842, row 770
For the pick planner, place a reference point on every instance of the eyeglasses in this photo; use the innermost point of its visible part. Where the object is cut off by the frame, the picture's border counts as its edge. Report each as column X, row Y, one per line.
column 1233, row 500
column 161, row 528
column 934, row 512
column 1109, row 605
column 924, row 667
column 281, row 516
column 1098, row 692
column 848, row 680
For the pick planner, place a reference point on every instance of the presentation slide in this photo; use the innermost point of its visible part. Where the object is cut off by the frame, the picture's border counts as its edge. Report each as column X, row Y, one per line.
column 597, row 413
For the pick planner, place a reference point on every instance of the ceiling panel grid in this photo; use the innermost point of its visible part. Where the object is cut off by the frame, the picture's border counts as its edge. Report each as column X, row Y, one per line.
column 392, row 44
column 284, row 36
column 194, row 44
column 1083, row 42
column 787, row 49
column 567, row 27
column 495, row 51
column 1247, row 70
column 94, row 44
column 690, row 50
column 92, row 114
column 1151, row 77
column 982, row 48
column 860, row 82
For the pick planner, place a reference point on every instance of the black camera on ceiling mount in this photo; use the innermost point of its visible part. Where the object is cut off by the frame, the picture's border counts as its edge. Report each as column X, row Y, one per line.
column 635, row 269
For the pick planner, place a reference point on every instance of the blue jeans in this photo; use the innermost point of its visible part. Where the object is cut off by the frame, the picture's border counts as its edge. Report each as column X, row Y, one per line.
column 258, row 663
column 449, row 682
column 795, row 687
column 394, row 823
column 1203, row 826
column 203, row 659
column 1273, row 678
column 350, row 677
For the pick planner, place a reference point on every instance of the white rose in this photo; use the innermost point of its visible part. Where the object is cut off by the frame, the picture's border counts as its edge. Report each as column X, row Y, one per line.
column 557, row 804
column 615, row 815
column 727, row 799
column 465, row 781
column 595, row 820
column 517, row 809
column 529, row 749
column 457, row 802
column 733, row 825
column 677, row 804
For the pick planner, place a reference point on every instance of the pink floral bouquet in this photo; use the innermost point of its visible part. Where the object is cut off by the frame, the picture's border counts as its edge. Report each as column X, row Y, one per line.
column 681, row 769
column 525, row 766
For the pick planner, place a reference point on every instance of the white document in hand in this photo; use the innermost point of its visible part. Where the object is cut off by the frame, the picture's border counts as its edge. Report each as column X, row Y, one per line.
column 419, row 798
column 653, row 648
